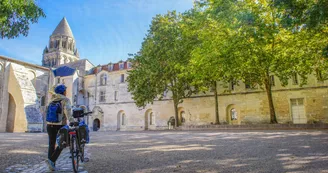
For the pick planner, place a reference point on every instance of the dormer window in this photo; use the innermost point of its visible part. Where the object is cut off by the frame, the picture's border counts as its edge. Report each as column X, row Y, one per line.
column 121, row 66
column 103, row 79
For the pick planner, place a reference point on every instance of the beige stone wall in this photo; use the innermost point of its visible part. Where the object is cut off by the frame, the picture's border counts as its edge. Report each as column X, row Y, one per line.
column 249, row 105
column 23, row 87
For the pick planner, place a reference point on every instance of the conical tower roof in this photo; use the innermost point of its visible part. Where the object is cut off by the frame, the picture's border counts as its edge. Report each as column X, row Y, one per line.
column 63, row 29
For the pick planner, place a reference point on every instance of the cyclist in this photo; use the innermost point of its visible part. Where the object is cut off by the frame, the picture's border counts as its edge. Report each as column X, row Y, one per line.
column 58, row 96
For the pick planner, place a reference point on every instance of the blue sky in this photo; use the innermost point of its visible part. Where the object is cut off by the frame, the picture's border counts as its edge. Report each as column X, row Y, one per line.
column 105, row 31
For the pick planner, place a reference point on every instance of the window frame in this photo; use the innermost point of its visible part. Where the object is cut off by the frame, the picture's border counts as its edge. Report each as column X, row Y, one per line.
column 115, row 95
column 102, row 96
column 122, row 79
column 121, row 66
column 295, row 79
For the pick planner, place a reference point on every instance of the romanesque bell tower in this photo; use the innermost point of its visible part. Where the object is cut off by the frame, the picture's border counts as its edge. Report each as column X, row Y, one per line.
column 61, row 48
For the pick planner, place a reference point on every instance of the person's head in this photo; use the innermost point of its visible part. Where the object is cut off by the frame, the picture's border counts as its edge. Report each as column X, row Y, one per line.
column 60, row 89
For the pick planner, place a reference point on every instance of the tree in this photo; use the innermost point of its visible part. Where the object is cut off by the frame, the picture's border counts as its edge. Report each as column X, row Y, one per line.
column 258, row 44
column 312, row 13
column 159, row 65
column 16, row 16
column 206, row 65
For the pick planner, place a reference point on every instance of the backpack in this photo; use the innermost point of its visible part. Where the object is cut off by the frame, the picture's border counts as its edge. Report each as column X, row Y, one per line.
column 63, row 137
column 83, row 133
column 54, row 113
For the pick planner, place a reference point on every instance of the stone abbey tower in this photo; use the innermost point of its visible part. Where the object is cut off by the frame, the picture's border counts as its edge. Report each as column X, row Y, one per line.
column 61, row 48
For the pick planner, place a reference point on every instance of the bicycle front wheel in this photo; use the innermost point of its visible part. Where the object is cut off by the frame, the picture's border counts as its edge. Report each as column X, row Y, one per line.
column 75, row 154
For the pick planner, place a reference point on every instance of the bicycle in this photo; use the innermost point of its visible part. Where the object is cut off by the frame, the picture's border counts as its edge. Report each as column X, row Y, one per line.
column 76, row 143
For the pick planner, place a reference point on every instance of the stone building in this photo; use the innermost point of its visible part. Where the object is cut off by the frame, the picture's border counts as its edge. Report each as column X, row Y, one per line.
column 103, row 90
column 115, row 109
column 23, row 95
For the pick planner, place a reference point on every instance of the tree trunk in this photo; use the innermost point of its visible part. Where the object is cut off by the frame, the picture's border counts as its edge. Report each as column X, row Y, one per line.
column 267, row 83
column 217, row 118
column 176, row 113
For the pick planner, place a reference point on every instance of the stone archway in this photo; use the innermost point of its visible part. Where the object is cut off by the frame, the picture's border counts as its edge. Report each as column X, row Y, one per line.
column 232, row 115
column 182, row 115
column 96, row 124
column 121, row 120
column 97, row 113
column 147, row 119
column 11, row 114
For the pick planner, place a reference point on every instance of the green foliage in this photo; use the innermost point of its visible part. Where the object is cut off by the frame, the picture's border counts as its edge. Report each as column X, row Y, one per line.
column 16, row 16
column 250, row 40
column 312, row 13
column 231, row 40
column 159, row 65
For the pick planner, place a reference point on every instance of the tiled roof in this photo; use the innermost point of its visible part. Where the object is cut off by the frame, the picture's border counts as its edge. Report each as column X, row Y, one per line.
column 116, row 67
column 64, row 71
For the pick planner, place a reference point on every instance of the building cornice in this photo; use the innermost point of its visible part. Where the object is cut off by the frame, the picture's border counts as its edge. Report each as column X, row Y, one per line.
column 23, row 63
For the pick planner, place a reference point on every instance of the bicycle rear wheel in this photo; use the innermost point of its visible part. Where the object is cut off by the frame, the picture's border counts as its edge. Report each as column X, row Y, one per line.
column 75, row 154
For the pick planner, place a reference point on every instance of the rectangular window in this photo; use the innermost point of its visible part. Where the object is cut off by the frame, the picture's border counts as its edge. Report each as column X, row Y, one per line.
column 232, row 85
column 58, row 80
column 121, row 66
column 319, row 75
column 129, row 65
column 64, row 44
column 272, row 80
column 102, row 97
column 110, row 67
column 295, row 79
column 122, row 78
column 297, row 102
column 116, row 95
column 247, row 86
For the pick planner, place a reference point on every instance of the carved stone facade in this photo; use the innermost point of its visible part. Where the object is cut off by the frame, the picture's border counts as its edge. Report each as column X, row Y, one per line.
column 23, row 95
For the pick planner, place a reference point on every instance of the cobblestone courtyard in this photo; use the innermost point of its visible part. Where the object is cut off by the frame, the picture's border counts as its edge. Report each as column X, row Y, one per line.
column 177, row 151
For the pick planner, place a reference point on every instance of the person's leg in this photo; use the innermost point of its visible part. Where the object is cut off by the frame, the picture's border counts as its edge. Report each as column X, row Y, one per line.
column 52, row 140
column 58, row 150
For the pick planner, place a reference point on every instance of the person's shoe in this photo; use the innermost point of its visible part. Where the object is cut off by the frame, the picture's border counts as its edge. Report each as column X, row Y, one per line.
column 51, row 165
column 86, row 159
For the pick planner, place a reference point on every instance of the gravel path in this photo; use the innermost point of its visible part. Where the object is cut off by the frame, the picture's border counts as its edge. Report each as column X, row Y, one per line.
column 177, row 151
column 209, row 151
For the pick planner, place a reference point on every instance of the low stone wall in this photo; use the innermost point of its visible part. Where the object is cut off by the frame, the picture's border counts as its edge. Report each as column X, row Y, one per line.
column 256, row 127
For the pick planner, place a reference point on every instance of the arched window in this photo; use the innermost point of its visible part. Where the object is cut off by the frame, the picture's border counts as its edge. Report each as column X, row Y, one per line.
column 151, row 118
column 103, row 79
column 64, row 44
column 123, row 119
column 233, row 114
column 183, row 119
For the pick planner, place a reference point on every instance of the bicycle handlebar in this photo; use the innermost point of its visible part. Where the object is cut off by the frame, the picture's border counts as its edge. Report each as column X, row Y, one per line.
column 87, row 113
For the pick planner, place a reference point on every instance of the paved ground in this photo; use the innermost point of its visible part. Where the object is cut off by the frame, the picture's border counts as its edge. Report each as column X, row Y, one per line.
column 180, row 151
column 27, row 152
